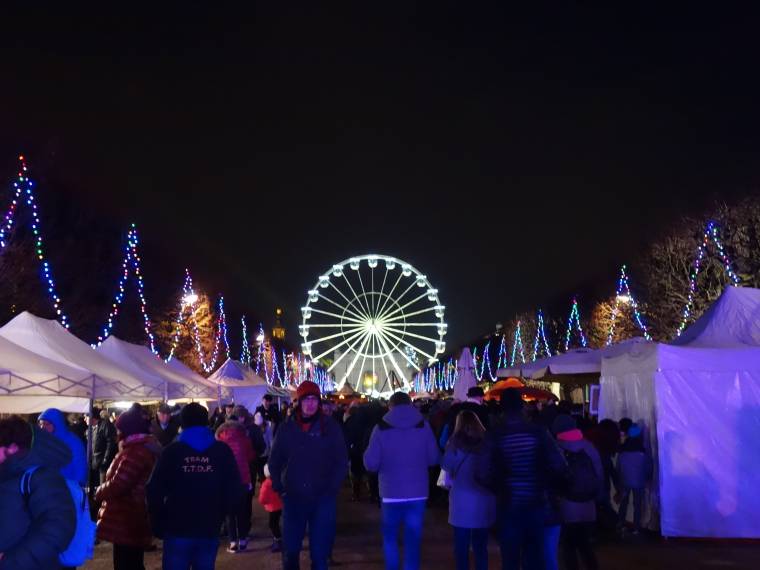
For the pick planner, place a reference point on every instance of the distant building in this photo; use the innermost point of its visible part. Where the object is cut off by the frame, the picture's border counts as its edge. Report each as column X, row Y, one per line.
column 278, row 331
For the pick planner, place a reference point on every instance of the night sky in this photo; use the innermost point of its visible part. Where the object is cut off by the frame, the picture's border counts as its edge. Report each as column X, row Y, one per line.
column 513, row 157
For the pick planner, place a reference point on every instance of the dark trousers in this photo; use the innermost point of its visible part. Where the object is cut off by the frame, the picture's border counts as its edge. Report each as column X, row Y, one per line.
column 638, row 504
column 239, row 524
column 521, row 537
column 477, row 538
column 128, row 557
column 187, row 553
column 274, row 524
column 319, row 515
column 576, row 541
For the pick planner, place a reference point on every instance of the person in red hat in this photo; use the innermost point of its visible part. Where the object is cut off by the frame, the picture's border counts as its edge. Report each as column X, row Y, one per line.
column 308, row 464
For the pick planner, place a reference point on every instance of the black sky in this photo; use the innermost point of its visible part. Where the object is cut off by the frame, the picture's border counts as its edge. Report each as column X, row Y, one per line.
column 511, row 156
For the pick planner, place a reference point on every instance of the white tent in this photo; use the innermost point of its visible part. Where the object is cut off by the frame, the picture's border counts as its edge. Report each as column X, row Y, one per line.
column 174, row 383
column 49, row 339
column 465, row 375
column 577, row 361
column 699, row 404
column 242, row 384
column 31, row 383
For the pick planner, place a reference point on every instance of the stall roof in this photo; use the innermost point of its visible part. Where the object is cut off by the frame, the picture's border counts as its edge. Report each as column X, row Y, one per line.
column 172, row 381
column 49, row 339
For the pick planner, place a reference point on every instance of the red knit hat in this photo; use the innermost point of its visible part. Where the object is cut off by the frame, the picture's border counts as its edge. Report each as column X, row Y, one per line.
column 307, row 388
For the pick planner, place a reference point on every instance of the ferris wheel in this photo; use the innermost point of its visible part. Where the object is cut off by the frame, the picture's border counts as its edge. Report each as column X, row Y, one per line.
column 376, row 320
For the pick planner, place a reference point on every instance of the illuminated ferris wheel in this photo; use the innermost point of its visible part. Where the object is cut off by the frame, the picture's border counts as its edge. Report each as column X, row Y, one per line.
column 375, row 321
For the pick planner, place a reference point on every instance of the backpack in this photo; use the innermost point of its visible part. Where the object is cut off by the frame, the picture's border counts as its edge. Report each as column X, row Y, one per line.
column 584, row 484
column 80, row 549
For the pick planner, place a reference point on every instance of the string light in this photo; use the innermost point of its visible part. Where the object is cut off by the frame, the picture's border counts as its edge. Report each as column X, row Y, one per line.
column 501, row 361
column 187, row 300
column 221, row 335
column 23, row 191
column 540, row 336
column 245, row 354
column 575, row 316
column 130, row 264
column 518, row 342
column 710, row 233
column 624, row 295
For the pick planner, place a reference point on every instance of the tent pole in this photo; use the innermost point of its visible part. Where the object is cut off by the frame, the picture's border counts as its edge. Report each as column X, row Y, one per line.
column 89, row 449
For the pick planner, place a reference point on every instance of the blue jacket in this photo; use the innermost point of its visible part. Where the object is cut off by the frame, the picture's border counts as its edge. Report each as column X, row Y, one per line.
column 76, row 469
column 35, row 530
column 401, row 450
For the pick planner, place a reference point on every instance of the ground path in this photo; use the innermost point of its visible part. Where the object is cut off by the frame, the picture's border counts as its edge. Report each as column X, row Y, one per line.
column 359, row 547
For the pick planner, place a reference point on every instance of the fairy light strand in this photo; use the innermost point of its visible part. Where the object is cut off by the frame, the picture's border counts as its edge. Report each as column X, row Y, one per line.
column 575, row 317
column 517, row 343
column 624, row 294
column 710, row 234
column 23, row 192
column 130, row 265
column 540, row 337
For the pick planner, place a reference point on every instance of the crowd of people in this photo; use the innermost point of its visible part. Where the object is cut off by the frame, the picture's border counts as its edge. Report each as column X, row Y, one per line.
column 541, row 480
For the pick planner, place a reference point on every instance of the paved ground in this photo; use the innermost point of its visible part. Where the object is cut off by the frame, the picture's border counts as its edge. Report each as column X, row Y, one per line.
column 358, row 547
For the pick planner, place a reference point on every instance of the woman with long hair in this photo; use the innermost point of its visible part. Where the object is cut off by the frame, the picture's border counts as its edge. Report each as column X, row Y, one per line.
column 472, row 506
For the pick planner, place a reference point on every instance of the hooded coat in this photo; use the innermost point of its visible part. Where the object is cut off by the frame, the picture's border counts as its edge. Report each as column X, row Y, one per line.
column 401, row 449
column 76, row 469
column 194, row 486
column 235, row 435
column 34, row 531
column 123, row 516
column 471, row 503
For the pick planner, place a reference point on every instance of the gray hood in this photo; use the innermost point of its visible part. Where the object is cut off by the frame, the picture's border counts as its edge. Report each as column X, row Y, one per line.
column 404, row 416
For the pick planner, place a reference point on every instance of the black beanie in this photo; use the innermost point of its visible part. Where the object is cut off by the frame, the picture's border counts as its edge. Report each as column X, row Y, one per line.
column 193, row 415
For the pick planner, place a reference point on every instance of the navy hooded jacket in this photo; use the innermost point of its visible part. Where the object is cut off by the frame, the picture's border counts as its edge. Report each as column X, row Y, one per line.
column 194, row 486
column 76, row 469
column 35, row 530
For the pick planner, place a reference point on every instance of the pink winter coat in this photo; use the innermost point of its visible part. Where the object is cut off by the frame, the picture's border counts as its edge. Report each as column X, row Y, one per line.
column 236, row 437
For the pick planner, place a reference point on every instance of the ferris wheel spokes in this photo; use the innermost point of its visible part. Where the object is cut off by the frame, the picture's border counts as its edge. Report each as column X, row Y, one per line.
column 346, row 309
column 350, row 369
column 389, row 296
column 359, row 308
column 345, row 318
column 402, row 307
column 356, row 295
column 406, row 357
column 427, row 338
column 346, row 341
column 357, row 328
column 402, row 317
column 385, row 331
column 393, row 360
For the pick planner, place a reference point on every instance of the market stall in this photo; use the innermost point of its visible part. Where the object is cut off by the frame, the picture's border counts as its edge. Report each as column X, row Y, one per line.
column 698, row 400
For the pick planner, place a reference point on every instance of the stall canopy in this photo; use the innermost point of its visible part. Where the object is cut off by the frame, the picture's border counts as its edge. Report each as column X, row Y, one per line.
column 698, row 400
column 31, row 383
column 243, row 385
column 576, row 362
column 733, row 321
column 49, row 339
column 171, row 380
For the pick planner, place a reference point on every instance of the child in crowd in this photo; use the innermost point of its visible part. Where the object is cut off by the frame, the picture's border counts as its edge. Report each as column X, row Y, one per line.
column 272, row 504
column 634, row 471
